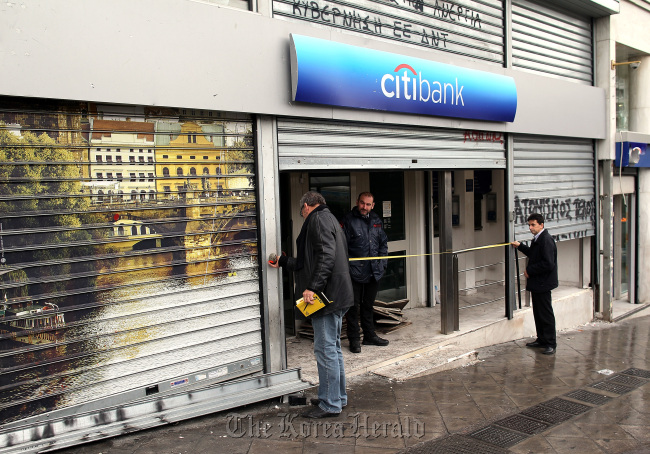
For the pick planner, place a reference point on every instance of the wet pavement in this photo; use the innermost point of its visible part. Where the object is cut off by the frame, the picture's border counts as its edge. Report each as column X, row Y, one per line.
column 593, row 396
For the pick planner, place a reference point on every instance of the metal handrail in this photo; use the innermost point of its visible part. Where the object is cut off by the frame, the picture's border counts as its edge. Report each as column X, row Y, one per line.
column 481, row 304
column 481, row 266
column 481, row 285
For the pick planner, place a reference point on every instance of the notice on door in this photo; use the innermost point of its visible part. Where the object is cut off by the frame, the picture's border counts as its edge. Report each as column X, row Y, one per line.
column 386, row 209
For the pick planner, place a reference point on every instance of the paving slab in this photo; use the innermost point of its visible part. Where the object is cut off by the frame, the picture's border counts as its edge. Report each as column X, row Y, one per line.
column 511, row 399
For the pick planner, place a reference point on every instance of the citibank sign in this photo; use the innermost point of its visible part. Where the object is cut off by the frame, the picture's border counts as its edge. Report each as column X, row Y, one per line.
column 326, row 72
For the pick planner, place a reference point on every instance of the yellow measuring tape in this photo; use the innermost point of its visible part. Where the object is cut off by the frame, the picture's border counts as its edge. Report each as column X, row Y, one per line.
column 432, row 253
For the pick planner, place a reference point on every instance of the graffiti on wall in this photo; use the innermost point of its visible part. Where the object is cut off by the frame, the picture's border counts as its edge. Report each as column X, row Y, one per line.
column 444, row 25
column 556, row 209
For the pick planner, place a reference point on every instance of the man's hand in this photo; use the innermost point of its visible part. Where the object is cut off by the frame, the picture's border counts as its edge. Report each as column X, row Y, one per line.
column 515, row 244
column 308, row 296
column 273, row 260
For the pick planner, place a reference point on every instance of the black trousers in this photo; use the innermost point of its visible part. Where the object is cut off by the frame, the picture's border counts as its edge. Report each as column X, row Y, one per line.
column 544, row 318
column 364, row 299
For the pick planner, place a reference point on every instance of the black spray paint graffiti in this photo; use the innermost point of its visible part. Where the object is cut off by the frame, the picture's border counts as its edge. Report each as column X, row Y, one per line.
column 556, row 209
column 395, row 29
column 571, row 236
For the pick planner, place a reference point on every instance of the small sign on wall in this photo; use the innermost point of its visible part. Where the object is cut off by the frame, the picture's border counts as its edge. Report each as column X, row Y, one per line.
column 386, row 209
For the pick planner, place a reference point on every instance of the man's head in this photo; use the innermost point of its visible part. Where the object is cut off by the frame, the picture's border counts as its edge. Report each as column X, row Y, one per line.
column 309, row 201
column 535, row 223
column 365, row 203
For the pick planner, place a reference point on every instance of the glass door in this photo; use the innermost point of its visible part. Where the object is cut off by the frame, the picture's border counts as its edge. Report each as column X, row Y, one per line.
column 624, row 240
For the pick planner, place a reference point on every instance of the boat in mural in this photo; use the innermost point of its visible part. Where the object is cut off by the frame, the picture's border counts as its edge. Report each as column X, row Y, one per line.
column 31, row 324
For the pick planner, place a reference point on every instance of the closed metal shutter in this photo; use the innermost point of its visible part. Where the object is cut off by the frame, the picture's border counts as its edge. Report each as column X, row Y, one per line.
column 304, row 145
column 555, row 177
column 473, row 28
column 129, row 248
column 552, row 42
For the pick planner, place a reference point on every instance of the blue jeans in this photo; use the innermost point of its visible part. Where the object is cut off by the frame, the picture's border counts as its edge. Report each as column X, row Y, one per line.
column 329, row 358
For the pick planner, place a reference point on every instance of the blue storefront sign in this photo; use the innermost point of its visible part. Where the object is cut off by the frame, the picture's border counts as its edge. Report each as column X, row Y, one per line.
column 331, row 73
column 634, row 154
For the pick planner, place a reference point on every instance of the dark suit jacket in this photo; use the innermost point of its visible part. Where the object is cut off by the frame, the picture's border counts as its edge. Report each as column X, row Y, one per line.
column 542, row 264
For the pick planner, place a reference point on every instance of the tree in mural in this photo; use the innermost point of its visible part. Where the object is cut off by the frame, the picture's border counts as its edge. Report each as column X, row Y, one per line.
column 42, row 213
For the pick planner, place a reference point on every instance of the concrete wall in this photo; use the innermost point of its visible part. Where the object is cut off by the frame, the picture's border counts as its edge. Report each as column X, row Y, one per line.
column 629, row 29
column 203, row 56
column 572, row 308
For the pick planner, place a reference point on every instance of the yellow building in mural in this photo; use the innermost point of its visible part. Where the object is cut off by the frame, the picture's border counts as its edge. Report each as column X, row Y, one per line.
column 191, row 162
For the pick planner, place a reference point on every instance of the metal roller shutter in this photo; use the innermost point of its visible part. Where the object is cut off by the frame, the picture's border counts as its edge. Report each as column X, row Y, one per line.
column 304, row 144
column 549, row 41
column 463, row 27
column 555, row 177
column 129, row 248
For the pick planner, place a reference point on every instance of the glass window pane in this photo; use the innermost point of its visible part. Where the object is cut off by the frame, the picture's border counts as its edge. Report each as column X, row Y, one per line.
column 335, row 187
column 392, row 286
column 388, row 190
column 625, row 241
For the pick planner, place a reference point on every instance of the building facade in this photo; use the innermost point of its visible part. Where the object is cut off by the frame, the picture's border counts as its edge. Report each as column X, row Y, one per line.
column 462, row 117
column 622, row 70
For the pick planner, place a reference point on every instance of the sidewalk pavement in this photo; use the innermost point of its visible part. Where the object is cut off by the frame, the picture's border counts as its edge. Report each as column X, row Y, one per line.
column 592, row 396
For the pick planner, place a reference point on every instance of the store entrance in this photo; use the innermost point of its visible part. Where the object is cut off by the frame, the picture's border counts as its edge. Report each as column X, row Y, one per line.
column 340, row 190
column 407, row 202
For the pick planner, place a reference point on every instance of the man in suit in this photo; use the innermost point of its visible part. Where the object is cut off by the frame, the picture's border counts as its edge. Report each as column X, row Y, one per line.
column 541, row 278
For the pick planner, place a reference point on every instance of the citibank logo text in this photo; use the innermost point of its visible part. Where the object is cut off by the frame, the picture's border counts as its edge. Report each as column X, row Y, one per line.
column 417, row 88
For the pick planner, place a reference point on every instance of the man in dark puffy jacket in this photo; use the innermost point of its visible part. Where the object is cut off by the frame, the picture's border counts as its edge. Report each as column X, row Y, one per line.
column 541, row 278
column 321, row 265
column 366, row 238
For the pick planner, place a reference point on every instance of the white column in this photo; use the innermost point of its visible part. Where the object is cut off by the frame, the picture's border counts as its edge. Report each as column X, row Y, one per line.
column 466, row 235
column 268, row 203
column 640, row 122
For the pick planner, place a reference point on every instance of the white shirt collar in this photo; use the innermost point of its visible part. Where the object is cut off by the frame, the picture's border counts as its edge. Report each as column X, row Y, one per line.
column 536, row 236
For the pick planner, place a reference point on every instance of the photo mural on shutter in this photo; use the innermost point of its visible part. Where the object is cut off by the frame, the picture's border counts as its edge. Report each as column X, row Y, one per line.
column 463, row 27
column 129, row 252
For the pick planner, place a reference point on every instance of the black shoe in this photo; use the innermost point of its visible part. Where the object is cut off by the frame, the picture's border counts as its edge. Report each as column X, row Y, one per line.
column 375, row 340
column 549, row 351
column 355, row 346
column 535, row 344
column 318, row 413
column 315, row 401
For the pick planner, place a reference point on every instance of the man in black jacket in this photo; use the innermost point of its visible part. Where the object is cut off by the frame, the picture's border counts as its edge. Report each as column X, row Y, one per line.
column 541, row 278
column 321, row 265
column 366, row 238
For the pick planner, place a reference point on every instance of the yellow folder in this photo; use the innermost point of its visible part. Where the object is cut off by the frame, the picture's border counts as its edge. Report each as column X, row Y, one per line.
column 320, row 301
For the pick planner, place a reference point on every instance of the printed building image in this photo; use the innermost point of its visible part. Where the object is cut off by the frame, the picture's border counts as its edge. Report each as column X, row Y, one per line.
column 121, row 161
column 138, row 209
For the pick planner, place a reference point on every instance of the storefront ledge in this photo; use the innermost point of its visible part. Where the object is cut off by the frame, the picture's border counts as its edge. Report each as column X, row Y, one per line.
column 438, row 352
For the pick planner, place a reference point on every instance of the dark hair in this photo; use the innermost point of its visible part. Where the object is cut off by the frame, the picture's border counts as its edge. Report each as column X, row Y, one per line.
column 365, row 194
column 312, row 198
column 536, row 217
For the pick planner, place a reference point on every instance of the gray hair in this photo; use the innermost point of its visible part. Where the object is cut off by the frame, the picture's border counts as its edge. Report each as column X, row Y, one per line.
column 312, row 198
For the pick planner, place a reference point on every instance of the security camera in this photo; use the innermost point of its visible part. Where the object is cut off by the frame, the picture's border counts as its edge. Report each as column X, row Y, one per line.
column 635, row 64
